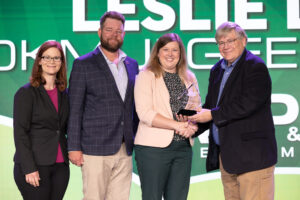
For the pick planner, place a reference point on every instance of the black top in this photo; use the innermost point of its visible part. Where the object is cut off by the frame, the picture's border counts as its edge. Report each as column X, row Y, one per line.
column 178, row 96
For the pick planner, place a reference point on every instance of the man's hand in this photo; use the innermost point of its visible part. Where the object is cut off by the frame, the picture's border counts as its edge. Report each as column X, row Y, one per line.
column 76, row 158
column 33, row 179
column 201, row 117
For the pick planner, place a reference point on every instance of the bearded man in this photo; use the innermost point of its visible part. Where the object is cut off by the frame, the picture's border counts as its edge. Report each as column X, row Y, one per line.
column 102, row 119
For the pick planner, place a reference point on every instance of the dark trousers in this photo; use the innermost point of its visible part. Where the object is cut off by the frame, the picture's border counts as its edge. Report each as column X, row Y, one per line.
column 164, row 172
column 53, row 183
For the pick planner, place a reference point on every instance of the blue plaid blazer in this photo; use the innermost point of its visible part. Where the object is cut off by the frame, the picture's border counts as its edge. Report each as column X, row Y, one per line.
column 99, row 119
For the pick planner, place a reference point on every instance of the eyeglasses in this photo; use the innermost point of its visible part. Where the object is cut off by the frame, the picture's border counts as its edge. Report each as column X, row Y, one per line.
column 228, row 42
column 111, row 31
column 48, row 58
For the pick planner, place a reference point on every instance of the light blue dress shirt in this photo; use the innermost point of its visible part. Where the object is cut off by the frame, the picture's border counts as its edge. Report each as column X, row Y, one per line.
column 227, row 72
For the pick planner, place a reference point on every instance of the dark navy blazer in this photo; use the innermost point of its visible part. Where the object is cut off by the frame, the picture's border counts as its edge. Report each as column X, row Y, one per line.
column 99, row 119
column 243, row 116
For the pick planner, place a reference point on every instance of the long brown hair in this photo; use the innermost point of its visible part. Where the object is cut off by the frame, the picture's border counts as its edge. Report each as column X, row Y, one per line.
column 37, row 79
column 154, row 64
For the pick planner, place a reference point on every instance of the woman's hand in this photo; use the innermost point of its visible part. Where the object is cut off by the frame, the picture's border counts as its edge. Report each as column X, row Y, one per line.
column 33, row 179
column 181, row 127
column 182, row 118
column 193, row 127
column 186, row 129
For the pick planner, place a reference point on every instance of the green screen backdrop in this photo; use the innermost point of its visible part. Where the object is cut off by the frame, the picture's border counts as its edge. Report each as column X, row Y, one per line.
column 273, row 28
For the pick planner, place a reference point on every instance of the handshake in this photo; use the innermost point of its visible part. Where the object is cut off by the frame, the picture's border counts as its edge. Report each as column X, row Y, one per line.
column 186, row 129
column 188, row 124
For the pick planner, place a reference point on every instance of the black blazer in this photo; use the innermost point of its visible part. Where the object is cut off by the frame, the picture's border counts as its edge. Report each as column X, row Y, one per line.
column 243, row 116
column 38, row 127
column 99, row 119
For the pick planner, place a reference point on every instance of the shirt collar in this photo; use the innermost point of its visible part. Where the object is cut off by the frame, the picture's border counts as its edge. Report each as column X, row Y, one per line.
column 224, row 63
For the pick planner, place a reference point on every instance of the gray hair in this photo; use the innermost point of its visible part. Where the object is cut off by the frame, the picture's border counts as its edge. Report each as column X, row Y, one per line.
column 227, row 27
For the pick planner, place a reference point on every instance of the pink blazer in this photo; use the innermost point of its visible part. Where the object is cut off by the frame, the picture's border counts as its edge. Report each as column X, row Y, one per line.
column 151, row 97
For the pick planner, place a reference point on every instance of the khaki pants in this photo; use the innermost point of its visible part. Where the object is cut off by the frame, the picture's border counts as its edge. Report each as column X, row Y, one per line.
column 107, row 177
column 255, row 185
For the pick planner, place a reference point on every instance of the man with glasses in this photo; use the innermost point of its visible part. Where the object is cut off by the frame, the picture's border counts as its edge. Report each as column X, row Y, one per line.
column 238, row 113
column 102, row 117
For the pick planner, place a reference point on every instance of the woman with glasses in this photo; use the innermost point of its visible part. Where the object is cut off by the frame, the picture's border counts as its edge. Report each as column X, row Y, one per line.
column 163, row 150
column 41, row 109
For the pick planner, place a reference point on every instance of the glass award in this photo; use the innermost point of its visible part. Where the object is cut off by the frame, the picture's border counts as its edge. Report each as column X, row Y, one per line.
column 190, row 99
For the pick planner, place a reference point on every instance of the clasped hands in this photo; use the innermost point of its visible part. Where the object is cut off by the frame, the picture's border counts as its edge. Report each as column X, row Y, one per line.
column 186, row 129
column 188, row 124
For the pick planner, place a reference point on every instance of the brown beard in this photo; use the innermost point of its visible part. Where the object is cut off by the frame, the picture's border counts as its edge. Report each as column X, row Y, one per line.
column 105, row 44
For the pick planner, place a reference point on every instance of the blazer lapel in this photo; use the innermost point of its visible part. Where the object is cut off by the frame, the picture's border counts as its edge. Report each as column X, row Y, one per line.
column 47, row 99
column 217, row 83
column 60, row 101
column 233, row 76
column 101, row 62
column 131, row 77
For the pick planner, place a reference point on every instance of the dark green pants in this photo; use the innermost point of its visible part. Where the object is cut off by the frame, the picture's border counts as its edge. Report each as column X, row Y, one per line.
column 164, row 171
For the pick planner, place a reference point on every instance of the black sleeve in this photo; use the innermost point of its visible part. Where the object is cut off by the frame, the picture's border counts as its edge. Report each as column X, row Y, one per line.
column 22, row 114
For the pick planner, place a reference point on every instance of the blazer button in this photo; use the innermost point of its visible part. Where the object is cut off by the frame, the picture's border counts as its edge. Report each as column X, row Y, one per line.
column 122, row 123
column 57, row 132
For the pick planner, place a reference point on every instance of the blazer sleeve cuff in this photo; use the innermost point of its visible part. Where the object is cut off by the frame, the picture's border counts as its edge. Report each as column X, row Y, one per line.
column 216, row 115
column 148, row 118
column 28, row 168
column 74, row 147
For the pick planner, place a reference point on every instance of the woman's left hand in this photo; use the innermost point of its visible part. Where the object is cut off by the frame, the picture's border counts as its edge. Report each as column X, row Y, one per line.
column 193, row 128
column 182, row 118
column 33, row 178
column 189, row 131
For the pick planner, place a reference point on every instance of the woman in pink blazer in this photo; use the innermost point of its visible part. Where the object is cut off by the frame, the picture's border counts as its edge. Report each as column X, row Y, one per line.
column 163, row 143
